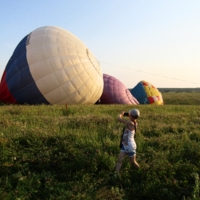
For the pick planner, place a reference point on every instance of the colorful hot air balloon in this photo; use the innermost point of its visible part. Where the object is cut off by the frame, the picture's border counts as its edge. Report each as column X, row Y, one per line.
column 115, row 92
column 146, row 93
column 51, row 66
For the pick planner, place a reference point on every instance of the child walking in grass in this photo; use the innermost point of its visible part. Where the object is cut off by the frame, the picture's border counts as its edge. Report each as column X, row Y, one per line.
column 128, row 145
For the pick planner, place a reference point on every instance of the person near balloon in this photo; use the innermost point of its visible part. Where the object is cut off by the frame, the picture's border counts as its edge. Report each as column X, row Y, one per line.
column 127, row 144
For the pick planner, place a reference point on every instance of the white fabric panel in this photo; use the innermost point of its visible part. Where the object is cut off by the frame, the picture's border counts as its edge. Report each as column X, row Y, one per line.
column 61, row 76
column 60, row 97
column 69, row 88
column 46, row 86
column 55, row 63
column 40, row 72
column 62, row 67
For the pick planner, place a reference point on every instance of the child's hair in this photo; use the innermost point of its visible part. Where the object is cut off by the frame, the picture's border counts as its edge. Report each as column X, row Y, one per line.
column 136, row 116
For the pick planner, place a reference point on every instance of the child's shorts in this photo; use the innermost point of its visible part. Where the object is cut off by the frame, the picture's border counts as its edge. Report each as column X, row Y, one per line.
column 130, row 153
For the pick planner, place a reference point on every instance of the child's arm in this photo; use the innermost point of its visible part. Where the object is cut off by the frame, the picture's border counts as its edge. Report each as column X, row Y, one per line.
column 120, row 119
column 130, row 125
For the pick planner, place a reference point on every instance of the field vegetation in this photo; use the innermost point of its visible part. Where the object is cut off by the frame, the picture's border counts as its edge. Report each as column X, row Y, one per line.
column 50, row 152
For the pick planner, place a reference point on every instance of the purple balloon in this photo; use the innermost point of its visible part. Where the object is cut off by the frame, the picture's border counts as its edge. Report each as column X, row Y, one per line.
column 115, row 92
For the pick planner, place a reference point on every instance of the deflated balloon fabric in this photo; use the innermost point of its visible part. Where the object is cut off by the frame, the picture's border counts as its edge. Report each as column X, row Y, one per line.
column 146, row 93
column 115, row 92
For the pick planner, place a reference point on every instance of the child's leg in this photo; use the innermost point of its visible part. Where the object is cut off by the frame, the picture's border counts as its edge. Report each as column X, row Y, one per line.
column 122, row 155
column 134, row 162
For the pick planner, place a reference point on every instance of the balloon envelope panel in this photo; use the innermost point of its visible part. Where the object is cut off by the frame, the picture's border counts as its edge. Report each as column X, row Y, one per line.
column 51, row 66
column 115, row 92
column 146, row 93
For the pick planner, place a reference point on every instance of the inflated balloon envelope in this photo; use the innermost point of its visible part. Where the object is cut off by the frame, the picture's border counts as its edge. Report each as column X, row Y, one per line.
column 51, row 66
column 146, row 93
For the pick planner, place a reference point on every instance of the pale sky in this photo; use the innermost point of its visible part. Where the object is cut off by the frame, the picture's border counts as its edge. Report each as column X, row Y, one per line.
column 153, row 40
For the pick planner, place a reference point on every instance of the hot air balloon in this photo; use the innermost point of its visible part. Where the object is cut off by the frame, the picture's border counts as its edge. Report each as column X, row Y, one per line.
column 51, row 66
column 146, row 93
column 115, row 92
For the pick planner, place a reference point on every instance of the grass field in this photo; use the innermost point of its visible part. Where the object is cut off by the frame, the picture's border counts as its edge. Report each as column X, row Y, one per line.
column 182, row 98
column 48, row 152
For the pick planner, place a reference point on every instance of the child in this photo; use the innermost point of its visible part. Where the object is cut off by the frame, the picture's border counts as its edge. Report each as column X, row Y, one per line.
column 128, row 145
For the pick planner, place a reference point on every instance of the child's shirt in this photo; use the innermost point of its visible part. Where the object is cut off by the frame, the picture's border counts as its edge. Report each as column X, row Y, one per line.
column 128, row 140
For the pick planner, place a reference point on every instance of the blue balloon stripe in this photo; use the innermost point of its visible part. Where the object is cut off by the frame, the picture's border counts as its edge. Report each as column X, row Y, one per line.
column 24, row 78
column 19, row 79
column 22, row 62
column 14, row 63
column 34, row 96
column 21, row 47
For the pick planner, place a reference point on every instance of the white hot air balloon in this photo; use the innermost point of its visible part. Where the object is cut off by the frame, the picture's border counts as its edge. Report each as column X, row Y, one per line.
column 51, row 66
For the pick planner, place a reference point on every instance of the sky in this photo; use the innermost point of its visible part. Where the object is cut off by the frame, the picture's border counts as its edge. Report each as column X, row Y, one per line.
column 153, row 40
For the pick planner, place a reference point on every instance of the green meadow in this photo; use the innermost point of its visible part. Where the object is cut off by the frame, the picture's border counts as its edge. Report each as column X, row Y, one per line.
column 49, row 152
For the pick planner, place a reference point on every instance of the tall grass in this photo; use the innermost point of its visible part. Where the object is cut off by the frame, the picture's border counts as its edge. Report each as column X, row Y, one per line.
column 181, row 98
column 50, row 152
